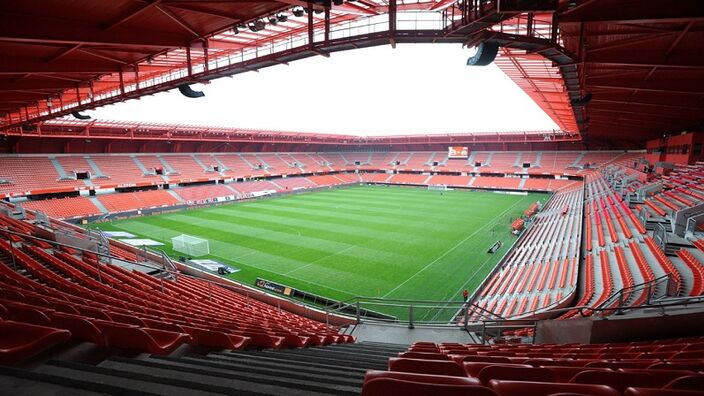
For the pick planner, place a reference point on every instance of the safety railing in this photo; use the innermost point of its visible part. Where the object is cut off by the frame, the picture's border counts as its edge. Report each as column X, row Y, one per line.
column 635, row 296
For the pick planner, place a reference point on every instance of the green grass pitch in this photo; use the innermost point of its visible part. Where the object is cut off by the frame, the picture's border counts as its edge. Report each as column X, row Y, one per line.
column 374, row 241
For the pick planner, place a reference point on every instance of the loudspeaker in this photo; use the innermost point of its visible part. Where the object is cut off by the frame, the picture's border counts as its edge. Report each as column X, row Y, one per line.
column 188, row 92
column 583, row 100
column 80, row 116
column 486, row 53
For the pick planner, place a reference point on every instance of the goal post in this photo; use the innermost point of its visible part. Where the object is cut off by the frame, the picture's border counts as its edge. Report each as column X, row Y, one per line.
column 437, row 187
column 190, row 245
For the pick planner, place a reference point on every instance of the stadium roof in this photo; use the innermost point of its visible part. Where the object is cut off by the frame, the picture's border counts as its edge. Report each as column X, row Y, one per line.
column 638, row 61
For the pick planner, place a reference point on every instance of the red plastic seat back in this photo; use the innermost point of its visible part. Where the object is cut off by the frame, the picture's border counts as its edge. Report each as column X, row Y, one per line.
column 474, row 368
column 19, row 341
column 566, row 373
column 425, row 378
column 393, row 386
column 81, row 328
column 617, row 380
column 424, row 355
column 660, row 392
column 513, row 373
column 523, row 388
column 439, row 367
column 690, row 382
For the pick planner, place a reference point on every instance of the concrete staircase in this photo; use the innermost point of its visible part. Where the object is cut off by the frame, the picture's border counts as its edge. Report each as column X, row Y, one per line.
column 202, row 165
column 96, row 169
column 538, row 158
column 59, row 169
column 141, row 166
column 577, row 160
column 167, row 167
column 99, row 204
column 518, row 163
column 329, row 370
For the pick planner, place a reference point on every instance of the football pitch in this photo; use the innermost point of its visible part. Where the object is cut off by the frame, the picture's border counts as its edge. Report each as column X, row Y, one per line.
column 372, row 241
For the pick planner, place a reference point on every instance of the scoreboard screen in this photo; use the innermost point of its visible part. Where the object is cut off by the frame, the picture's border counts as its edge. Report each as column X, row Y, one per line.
column 458, row 152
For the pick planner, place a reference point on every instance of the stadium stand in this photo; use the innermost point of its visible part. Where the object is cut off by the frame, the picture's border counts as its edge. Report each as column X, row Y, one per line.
column 294, row 183
column 22, row 174
column 496, row 182
column 594, row 369
column 460, row 181
column 375, row 177
column 408, row 178
column 539, row 273
column 185, row 167
column 200, row 193
column 137, row 200
column 64, row 208
column 601, row 292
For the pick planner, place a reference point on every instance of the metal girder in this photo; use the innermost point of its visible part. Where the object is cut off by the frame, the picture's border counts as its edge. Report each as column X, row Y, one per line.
column 635, row 12
column 18, row 29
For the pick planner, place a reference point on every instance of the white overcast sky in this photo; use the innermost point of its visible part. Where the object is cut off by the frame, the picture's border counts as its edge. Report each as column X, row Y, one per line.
column 415, row 88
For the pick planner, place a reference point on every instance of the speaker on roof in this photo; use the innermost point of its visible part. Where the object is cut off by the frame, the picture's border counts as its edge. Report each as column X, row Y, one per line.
column 583, row 100
column 188, row 92
column 486, row 53
column 80, row 116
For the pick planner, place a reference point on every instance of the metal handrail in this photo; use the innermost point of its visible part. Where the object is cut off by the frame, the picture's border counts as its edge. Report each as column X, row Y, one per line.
column 618, row 296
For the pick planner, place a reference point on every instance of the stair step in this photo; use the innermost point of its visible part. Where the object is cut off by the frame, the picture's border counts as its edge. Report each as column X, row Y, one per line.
column 342, row 372
column 281, row 370
column 132, row 383
column 27, row 383
column 223, row 378
column 330, row 360
column 326, row 353
column 268, row 359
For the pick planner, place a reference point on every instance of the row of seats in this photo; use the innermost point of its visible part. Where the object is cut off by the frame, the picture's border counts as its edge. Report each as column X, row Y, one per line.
column 110, row 306
column 25, row 174
column 137, row 200
column 541, row 271
column 670, row 367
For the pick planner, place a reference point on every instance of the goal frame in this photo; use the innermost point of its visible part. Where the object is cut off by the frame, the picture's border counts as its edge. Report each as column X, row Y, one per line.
column 190, row 245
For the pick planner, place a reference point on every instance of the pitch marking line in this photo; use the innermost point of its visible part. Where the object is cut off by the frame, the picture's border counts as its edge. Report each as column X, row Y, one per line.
column 450, row 249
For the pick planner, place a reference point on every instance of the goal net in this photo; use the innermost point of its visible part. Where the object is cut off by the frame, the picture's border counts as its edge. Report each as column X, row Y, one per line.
column 437, row 187
column 190, row 245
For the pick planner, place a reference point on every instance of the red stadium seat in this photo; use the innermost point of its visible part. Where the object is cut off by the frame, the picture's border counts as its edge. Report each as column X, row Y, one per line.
column 525, row 388
column 660, row 392
column 394, row 386
column 513, row 373
column 425, row 378
column 20, row 341
column 690, row 382
column 566, row 373
column 81, row 328
column 424, row 355
column 474, row 368
column 154, row 341
column 438, row 367
column 617, row 380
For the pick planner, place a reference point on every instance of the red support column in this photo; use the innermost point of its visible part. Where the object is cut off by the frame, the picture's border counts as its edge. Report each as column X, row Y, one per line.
column 393, row 8
column 122, row 83
column 327, row 24
column 310, row 25
column 205, row 58
column 188, row 61
column 136, row 76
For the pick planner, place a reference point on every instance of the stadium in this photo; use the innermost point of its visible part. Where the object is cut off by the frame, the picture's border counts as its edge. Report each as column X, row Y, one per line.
column 162, row 257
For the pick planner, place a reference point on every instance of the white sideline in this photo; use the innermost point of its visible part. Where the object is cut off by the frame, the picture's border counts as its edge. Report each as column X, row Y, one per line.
column 452, row 248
